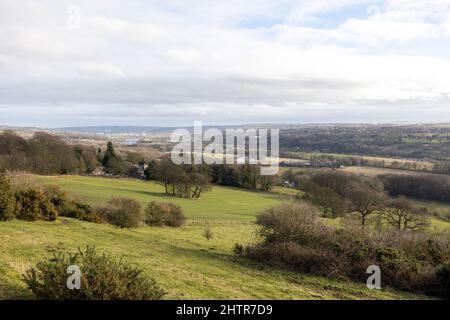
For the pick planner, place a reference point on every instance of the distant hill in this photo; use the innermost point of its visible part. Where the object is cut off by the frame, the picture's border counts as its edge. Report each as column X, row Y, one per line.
column 116, row 129
column 145, row 129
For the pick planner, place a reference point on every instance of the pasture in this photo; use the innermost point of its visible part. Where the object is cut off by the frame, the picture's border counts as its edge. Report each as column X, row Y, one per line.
column 221, row 203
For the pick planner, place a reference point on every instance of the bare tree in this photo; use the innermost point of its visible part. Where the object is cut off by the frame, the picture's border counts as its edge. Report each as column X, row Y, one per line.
column 365, row 201
column 403, row 215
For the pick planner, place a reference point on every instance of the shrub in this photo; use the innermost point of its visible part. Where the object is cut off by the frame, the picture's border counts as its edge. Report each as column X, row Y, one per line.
column 7, row 200
column 443, row 276
column 32, row 205
column 78, row 210
column 164, row 214
column 123, row 212
column 288, row 221
column 208, row 233
column 238, row 249
column 69, row 208
column 294, row 238
column 175, row 217
column 55, row 194
column 101, row 279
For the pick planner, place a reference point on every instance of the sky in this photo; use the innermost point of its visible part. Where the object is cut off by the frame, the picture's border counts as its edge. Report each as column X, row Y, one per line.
column 173, row 62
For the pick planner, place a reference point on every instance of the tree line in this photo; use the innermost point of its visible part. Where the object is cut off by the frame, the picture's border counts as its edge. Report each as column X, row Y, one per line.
column 44, row 154
column 337, row 194
column 190, row 181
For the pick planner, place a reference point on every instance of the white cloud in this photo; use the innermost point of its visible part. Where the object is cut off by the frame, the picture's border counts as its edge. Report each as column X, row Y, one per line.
column 253, row 60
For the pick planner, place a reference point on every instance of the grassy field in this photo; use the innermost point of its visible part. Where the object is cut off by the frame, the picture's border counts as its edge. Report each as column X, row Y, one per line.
column 386, row 160
column 187, row 265
column 219, row 204
column 374, row 171
column 182, row 260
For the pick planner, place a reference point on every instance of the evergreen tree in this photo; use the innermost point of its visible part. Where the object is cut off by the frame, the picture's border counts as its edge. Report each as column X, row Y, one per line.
column 110, row 153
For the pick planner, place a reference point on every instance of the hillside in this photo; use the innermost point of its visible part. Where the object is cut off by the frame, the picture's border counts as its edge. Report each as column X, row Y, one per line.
column 186, row 264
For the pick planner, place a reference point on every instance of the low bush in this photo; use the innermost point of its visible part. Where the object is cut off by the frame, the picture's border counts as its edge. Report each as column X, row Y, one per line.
column 7, row 201
column 239, row 249
column 32, row 205
column 164, row 214
column 443, row 276
column 24, row 198
column 294, row 238
column 79, row 210
column 101, row 279
column 208, row 233
column 123, row 212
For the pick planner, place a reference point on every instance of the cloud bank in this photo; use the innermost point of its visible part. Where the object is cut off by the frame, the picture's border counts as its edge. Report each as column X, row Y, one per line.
column 222, row 62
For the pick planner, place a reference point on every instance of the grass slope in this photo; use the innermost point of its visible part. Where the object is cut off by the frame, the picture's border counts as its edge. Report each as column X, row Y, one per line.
column 187, row 265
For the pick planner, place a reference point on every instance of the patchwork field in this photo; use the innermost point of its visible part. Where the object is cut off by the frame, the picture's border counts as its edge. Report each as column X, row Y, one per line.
column 374, row 171
column 181, row 259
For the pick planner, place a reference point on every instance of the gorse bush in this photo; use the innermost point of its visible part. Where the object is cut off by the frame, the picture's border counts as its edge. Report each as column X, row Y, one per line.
column 78, row 210
column 296, row 239
column 7, row 200
column 101, row 279
column 32, row 205
column 164, row 214
column 23, row 198
column 123, row 212
column 69, row 208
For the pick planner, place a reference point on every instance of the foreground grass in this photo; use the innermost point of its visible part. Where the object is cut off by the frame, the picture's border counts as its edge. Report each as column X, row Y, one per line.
column 187, row 265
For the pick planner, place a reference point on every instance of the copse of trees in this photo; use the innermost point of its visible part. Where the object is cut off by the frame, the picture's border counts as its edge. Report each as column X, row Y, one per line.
column 44, row 154
column 328, row 201
column 339, row 194
column 242, row 176
column 426, row 187
column 183, row 181
column 190, row 181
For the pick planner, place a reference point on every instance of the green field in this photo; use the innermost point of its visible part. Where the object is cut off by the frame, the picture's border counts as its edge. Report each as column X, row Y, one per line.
column 219, row 204
column 185, row 263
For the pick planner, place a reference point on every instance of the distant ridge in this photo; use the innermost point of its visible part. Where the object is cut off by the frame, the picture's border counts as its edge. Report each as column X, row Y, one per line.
column 116, row 129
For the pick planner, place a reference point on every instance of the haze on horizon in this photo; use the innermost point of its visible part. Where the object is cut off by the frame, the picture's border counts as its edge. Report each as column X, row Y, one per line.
column 168, row 63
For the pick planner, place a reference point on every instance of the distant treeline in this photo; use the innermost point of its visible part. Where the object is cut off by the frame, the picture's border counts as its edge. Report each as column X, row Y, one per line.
column 44, row 154
column 190, row 180
column 414, row 142
column 425, row 187
column 329, row 160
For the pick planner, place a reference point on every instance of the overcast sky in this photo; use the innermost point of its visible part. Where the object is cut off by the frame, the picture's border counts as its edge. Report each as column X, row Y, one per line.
column 223, row 62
